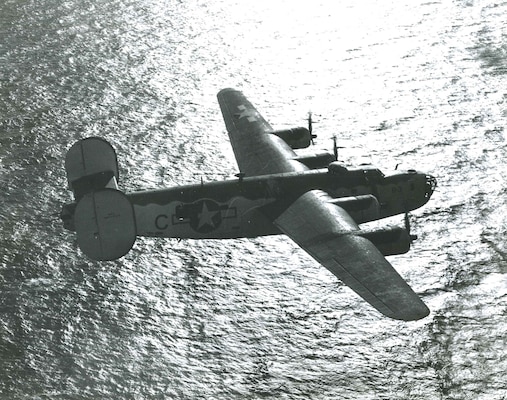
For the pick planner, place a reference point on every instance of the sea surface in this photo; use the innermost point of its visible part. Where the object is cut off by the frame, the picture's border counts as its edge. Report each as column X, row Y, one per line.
column 418, row 84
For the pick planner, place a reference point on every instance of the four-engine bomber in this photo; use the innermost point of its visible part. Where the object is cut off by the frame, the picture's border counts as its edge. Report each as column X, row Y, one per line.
column 315, row 200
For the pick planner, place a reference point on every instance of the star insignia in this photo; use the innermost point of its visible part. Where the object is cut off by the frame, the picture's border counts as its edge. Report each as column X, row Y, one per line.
column 248, row 113
column 206, row 217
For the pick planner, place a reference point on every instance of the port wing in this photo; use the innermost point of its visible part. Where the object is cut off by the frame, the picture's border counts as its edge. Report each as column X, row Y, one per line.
column 257, row 151
column 330, row 236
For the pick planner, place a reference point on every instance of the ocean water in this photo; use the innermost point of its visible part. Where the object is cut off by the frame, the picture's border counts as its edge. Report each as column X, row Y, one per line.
column 415, row 84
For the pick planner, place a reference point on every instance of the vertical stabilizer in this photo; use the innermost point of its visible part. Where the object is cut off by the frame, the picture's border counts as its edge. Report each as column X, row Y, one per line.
column 105, row 224
column 103, row 218
column 91, row 164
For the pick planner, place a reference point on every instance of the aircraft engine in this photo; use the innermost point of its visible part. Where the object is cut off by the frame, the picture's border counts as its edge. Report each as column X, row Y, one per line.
column 362, row 209
column 338, row 169
column 390, row 241
column 317, row 160
column 296, row 138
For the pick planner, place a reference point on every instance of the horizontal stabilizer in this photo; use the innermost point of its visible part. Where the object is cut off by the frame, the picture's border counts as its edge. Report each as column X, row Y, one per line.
column 91, row 164
column 105, row 224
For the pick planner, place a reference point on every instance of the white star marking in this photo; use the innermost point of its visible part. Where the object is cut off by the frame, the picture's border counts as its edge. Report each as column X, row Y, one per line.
column 206, row 216
column 248, row 113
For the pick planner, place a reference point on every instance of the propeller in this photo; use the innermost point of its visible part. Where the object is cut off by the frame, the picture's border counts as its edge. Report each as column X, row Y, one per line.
column 407, row 228
column 335, row 148
column 310, row 127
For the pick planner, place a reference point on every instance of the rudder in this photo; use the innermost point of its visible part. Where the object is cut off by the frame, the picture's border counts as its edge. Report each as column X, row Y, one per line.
column 91, row 164
column 102, row 215
column 105, row 224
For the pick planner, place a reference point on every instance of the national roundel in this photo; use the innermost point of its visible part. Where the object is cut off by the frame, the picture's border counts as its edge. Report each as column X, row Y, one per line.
column 206, row 216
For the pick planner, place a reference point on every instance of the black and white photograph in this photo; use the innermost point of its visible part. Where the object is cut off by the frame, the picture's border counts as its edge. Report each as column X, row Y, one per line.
column 276, row 200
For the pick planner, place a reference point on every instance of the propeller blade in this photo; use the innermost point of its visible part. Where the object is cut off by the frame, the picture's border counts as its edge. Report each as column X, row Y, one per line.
column 407, row 227
column 310, row 127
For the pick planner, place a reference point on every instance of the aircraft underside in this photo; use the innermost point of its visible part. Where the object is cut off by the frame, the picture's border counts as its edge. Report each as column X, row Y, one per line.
column 277, row 192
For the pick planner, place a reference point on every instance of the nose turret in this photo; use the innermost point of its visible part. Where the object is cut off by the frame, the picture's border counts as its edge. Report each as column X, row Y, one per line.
column 431, row 184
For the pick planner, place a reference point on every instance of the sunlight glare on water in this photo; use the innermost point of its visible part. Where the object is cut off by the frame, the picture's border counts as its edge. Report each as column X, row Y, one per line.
column 415, row 84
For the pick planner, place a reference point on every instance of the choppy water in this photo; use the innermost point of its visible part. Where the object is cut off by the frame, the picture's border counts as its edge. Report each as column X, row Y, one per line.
column 420, row 84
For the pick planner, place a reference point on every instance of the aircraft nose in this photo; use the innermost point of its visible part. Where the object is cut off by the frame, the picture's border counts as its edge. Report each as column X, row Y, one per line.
column 431, row 184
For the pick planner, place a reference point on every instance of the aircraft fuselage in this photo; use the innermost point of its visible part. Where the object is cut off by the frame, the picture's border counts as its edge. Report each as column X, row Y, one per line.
column 245, row 207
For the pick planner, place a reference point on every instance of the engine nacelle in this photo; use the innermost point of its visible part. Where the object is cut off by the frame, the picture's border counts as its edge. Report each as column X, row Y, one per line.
column 317, row 160
column 389, row 241
column 362, row 209
column 296, row 138
column 337, row 168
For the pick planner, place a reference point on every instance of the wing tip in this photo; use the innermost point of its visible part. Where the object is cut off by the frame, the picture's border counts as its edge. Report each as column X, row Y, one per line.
column 413, row 313
column 226, row 90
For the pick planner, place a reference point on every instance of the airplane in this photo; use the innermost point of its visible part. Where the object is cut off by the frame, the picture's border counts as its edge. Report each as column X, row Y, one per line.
column 314, row 199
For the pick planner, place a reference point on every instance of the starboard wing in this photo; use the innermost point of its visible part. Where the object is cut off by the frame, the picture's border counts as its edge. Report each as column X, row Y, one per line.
column 257, row 151
column 330, row 236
